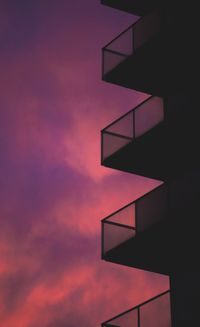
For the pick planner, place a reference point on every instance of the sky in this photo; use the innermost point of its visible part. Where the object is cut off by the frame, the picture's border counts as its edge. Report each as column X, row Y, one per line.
column 53, row 191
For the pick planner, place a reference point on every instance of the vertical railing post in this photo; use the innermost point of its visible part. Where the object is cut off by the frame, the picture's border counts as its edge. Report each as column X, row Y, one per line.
column 133, row 124
column 102, row 147
column 102, row 239
column 102, row 63
column 138, row 317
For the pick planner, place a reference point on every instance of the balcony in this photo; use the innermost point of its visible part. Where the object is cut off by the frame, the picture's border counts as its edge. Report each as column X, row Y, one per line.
column 136, row 7
column 135, row 142
column 155, row 312
column 143, row 234
column 131, row 234
column 147, row 57
column 145, row 140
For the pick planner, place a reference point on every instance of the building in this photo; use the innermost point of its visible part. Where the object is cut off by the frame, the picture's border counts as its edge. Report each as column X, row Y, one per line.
column 159, row 139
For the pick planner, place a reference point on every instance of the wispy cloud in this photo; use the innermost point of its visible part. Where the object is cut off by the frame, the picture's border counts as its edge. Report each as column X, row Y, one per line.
column 53, row 191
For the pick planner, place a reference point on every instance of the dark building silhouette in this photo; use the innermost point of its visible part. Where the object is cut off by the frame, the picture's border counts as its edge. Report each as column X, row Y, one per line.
column 158, row 232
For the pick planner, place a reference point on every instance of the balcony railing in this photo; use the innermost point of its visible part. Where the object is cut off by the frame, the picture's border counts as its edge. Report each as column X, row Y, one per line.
column 136, row 217
column 143, row 234
column 154, row 312
column 126, row 43
column 131, row 126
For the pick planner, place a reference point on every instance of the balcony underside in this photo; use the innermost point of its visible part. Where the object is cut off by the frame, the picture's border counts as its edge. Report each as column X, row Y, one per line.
column 136, row 7
column 162, row 153
column 139, row 252
column 157, row 68
column 168, row 247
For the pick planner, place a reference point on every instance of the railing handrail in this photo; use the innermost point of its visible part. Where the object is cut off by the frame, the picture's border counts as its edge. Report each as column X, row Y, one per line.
column 120, row 225
column 154, row 189
column 137, row 306
column 132, row 202
column 124, row 31
column 119, row 135
column 117, row 211
column 127, row 113
column 118, row 36
column 117, row 53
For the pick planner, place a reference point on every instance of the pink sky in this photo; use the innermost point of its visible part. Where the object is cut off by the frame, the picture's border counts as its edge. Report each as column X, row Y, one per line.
column 53, row 191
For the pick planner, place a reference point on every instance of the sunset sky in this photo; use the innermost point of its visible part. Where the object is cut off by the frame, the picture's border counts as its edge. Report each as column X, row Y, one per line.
column 53, row 191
